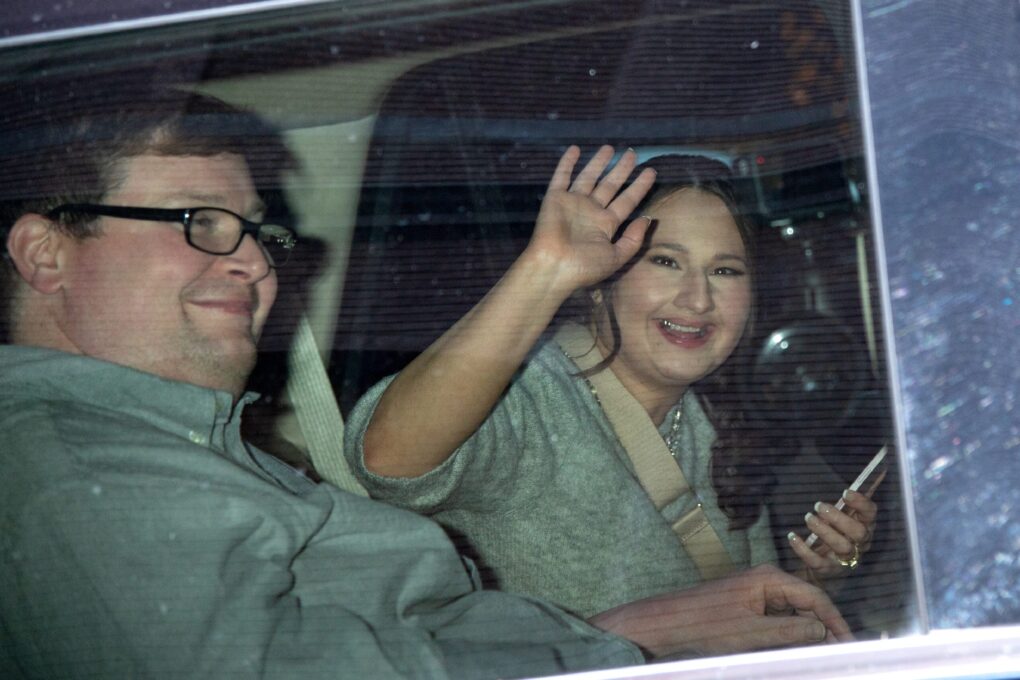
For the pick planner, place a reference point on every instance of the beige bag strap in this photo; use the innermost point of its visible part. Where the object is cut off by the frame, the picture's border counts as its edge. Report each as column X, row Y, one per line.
column 654, row 466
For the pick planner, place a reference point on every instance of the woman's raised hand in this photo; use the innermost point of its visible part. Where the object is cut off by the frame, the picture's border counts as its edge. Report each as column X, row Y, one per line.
column 577, row 220
column 442, row 397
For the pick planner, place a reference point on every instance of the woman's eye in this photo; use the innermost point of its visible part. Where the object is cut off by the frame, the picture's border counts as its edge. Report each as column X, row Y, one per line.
column 664, row 261
column 728, row 271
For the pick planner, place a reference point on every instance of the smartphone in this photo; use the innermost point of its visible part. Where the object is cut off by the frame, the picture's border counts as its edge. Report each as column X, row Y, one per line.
column 871, row 471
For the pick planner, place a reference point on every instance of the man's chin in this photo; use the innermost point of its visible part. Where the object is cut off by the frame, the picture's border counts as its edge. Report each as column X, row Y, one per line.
column 225, row 366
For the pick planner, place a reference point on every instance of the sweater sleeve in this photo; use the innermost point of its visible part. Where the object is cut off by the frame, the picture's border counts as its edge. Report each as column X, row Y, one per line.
column 534, row 416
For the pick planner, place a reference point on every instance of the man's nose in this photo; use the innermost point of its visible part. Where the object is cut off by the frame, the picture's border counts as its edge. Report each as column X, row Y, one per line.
column 250, row 260
column 695, row 293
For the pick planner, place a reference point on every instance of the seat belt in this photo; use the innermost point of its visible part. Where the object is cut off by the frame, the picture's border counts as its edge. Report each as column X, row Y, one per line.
column 311, row 395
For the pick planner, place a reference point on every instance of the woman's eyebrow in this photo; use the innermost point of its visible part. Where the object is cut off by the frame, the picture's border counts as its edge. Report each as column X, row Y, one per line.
column 669, row 246
column 677, row 247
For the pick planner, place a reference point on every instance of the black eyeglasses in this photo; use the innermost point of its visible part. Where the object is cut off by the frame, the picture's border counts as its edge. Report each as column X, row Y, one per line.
column 212, row 230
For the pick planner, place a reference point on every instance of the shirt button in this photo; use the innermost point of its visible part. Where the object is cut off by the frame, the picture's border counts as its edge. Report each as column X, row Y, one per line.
column 196, row 437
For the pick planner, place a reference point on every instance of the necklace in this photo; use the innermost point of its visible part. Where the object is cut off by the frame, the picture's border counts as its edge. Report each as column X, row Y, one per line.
column 672, row 440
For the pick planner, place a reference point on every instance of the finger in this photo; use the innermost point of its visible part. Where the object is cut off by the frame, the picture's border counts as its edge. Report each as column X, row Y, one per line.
column 610, row 185
column 631, row 239
column 848, row 525
column 838, row 543
column 769, row 632
column 560, row 180
column 592, row 170
column 864, row 510
column 815, row 561
column 874, row 484
column 863, row 507
column 624, row 204
column 810, row 603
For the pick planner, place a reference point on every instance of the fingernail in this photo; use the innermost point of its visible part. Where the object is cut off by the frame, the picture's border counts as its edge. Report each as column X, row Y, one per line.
column 818, row 506
column 791, row 537
column 648, row 217
column 846, row 494
column 808, row 517
column 818, row 631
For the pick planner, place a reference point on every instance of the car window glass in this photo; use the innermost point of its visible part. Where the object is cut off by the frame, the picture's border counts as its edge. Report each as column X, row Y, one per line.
column 426, row 136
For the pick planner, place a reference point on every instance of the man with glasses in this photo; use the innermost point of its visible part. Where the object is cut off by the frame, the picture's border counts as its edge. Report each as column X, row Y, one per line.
column 140, row 535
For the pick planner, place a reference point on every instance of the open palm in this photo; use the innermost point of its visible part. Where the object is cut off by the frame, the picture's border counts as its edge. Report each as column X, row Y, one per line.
column 577, row 220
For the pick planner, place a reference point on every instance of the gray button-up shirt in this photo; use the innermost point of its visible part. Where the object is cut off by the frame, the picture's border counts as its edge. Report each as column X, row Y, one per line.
column 140, row 537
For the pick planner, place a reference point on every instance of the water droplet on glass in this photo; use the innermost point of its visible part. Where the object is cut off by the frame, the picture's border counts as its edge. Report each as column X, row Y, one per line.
column 937, row 466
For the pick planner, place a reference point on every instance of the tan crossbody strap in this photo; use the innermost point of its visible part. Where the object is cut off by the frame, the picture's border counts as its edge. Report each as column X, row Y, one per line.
column 655, row 468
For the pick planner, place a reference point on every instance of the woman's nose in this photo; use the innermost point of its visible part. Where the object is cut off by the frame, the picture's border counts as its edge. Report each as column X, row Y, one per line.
column 695, row 293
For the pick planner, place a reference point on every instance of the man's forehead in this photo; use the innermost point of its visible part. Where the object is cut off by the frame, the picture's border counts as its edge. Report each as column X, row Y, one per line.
column 221, row 179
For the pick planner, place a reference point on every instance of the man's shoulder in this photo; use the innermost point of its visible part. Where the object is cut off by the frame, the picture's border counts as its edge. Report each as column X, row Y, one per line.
column 39, row 424
column 32, row 424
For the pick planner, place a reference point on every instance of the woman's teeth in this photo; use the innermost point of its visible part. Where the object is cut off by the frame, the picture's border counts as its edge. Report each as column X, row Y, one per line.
column 678, row 328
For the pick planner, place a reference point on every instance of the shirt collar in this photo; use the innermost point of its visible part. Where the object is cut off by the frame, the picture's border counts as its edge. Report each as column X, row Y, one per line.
column 27, row 372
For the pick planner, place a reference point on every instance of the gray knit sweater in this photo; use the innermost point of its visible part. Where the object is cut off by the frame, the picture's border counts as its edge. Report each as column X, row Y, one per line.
column 544, row 497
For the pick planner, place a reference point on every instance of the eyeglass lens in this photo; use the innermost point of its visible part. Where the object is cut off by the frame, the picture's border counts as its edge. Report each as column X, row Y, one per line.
column 218, row 231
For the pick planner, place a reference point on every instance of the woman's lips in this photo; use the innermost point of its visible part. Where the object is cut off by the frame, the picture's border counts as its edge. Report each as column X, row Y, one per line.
column 682, row 334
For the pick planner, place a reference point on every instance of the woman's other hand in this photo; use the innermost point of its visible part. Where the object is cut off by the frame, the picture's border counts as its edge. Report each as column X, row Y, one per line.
column 577, row 220
column 844, row 536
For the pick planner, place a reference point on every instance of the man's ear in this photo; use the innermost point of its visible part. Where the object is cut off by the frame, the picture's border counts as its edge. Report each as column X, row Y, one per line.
column 36, row 248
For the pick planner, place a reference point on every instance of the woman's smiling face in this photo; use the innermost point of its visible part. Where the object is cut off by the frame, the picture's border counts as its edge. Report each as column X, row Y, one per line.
column 683, row 306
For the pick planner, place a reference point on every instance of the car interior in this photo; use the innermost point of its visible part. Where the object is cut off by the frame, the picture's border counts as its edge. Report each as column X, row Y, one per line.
column 425, row 134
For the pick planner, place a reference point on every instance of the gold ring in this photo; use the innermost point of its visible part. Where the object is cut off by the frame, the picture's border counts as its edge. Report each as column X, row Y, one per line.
column 852, row 561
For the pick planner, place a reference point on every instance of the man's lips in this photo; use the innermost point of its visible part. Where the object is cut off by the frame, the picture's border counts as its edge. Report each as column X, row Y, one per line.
column 237, row 306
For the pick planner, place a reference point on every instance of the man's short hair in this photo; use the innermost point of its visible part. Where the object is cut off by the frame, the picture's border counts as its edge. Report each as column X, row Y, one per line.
column 63, row 143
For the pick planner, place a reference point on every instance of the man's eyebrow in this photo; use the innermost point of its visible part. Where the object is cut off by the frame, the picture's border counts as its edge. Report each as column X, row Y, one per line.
column 197, row 198
column 681, row 249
